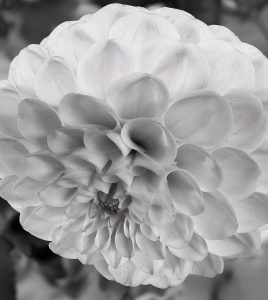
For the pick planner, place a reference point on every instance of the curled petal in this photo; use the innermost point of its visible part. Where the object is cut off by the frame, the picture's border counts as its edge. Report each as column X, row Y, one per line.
column 183, row 67
column 230, row 69
column 78, row 109
column 9, row 100
column 211, row 266
column 12, row 157
column 56, row 196
column 65, row 140
column 123, row 244
column 138, row 95
column 240, row 172
column 141, row 27
column 102, row 237
column 252, row 212
column 150, row 138
column 43, row 167
column 42, row 220
column 53, row 81
column 202, row 118
column 177, row 234
column 105, row 62
column 249, row 121
column 25, row 67
column 201, row 165
column 196, row 250
column 36, row 120
column 218, row 220
column 185, row 192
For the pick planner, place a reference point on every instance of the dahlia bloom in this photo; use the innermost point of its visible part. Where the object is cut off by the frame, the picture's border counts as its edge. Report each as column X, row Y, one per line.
column 136, row 141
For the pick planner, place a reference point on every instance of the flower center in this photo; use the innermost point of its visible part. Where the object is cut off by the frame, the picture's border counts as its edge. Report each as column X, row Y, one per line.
column 107, row 202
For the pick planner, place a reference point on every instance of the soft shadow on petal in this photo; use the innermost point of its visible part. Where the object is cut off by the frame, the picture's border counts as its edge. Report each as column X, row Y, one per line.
column 54, row 80
column 201, row 165
column 185, row 192
column 105, row 62
column 12, row 156
column 203, row 118
column 36, row 120
column 24, row 68
column 9, row 100
column 196, row 250
column 240, row 172
column 78, row 109
column 218, row 220
column 138, row 95
column 183, row 67
column 142, row 27
column 43, row 167
column 211, row 266
column 150, row 138
column 230, row 69
column 252, row 212
column 42, row 220
column 249, row 121
column 239, row 245
column 262, row 76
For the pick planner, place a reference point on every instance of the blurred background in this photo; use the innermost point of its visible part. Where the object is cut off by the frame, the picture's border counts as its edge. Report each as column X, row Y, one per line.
column 28, row 269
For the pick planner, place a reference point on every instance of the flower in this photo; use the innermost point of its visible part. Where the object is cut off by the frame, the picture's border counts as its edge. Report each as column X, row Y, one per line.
column 136, row 141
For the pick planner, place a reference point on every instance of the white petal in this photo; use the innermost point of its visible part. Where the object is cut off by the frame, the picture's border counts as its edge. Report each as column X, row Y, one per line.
column 56, row 196
column 211, row 266
column 43, row 167
column 25, row 67
column 235, row 246
column 105, row 62
column 261, row 76
column 201, row 165
column 36, row 120
column 102, row 237
column 123, row 244
column 202, row 118
column 138, row 95
column 53, row 81
column 195, row 251
column 169, row 13
column 65, row 140
column 185, row 192
column 223, row 33
column 177, row 234
column 183, row 67
column 249, row 121
column 12, row 156
column 141, row 27
column 78, row 109
column 230, row 69
column 9, row 100
column 42, row 220
column 240, row 172
column 218, row 220
column 252, row 212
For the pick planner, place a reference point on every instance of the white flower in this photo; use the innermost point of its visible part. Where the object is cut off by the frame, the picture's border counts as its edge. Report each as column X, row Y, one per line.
column 136, row 141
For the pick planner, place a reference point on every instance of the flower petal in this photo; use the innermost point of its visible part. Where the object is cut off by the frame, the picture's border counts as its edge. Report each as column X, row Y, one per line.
column 53, row 81
column 24, row 68
column 185, row 192
column 141, row 27
column 240, row 172
column 105, row 62
column 230, row 69
column 42, row 220
column 251, row 212
column 201, row 165
column 43, row 167
column 223, row 33
column 183, row 67
column 36, row 120
column 123, row 244
column 249, row 121
column 138, row 95
column 202, row 118
column 12, row 157
column 218, row 220
column 195, row 251
column 78, row 109
column 211, row 266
